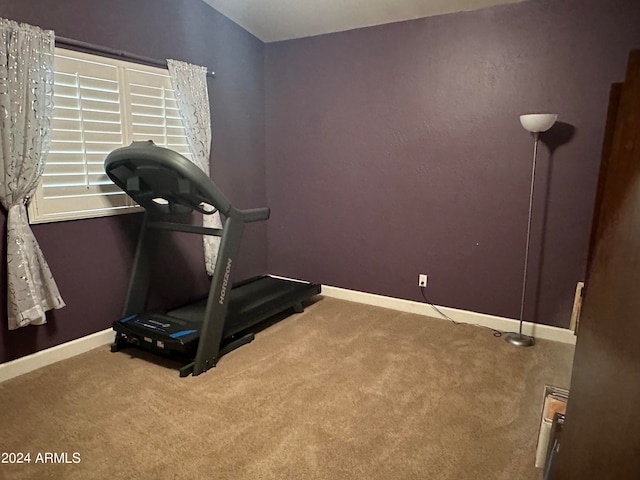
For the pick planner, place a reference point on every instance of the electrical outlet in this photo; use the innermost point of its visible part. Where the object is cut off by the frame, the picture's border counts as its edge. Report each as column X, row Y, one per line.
column 422, row 280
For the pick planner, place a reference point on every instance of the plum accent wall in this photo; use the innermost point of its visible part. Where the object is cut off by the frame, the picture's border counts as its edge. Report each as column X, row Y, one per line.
column 91, row 259
column 397, row 150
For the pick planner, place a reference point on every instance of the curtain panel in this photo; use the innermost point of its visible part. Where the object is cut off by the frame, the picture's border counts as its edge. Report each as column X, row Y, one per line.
column 26, row 104
column 190, row 84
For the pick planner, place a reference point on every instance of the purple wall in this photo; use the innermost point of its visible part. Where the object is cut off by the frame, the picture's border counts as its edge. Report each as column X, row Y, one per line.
column 397, row 150
column 390, row 151
column 90, row 259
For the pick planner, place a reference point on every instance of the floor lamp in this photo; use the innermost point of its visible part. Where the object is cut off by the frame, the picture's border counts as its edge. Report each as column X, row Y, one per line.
column 535, row 123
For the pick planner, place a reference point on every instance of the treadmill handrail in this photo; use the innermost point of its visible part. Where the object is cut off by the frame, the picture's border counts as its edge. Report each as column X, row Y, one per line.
column 254, row 214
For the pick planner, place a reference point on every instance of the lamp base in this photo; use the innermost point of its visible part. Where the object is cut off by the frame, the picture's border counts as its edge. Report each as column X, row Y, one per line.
column 520, row 340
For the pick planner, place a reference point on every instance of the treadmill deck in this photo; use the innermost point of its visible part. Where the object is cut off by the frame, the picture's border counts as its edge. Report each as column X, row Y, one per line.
column 178, row 330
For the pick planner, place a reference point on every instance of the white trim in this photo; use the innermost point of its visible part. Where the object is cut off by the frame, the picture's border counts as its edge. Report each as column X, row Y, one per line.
column 289, row 279
column 546, row 332
column 51, row 355
column 70, row 349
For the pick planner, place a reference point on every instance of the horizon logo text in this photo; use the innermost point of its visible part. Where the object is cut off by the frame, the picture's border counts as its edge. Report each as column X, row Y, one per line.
column 225, row 281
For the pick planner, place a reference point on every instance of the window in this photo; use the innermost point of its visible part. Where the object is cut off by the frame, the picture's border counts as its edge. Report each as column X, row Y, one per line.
column 100, row 104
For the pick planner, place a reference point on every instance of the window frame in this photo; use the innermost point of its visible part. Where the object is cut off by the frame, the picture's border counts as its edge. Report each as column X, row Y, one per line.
column 39, row 211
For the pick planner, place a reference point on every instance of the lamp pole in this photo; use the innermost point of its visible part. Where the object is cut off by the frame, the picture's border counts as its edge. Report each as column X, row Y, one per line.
column 534, row 123
column 519, row 339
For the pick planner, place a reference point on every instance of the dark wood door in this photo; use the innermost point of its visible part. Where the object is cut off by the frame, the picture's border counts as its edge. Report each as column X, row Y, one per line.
column 601, row 438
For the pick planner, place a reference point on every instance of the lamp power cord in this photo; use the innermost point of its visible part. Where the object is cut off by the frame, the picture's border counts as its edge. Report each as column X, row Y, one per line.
column 496, row 333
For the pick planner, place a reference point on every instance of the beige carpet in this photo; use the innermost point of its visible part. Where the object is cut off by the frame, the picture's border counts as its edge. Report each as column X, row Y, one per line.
column 341, row 391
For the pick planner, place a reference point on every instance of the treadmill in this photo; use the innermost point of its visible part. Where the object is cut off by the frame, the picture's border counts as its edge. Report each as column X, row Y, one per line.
column 171, row 188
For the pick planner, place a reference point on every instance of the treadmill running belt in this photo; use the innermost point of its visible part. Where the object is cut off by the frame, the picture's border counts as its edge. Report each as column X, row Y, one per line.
column 252, row 301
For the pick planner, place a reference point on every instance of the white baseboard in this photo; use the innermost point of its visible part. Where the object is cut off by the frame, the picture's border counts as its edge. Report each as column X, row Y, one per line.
column 51, row 355
column 70, row 349
column 499, row 323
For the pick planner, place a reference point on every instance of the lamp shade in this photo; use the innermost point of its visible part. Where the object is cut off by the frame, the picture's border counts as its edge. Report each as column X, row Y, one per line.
column 538, row 122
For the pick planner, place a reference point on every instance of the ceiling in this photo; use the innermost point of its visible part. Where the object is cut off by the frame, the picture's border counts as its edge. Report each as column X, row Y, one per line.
column 275, row 20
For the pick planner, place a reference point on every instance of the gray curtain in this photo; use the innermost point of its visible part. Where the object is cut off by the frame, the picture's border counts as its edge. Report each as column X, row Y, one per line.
column 190, row 83
column 26, row 104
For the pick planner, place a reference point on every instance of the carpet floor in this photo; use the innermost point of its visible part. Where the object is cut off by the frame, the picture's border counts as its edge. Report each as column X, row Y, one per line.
column 341, row 391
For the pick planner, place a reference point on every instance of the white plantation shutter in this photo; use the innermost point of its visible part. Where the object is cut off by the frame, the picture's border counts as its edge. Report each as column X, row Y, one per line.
column 100, row 104
column 154, row 114
column 87, row 124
